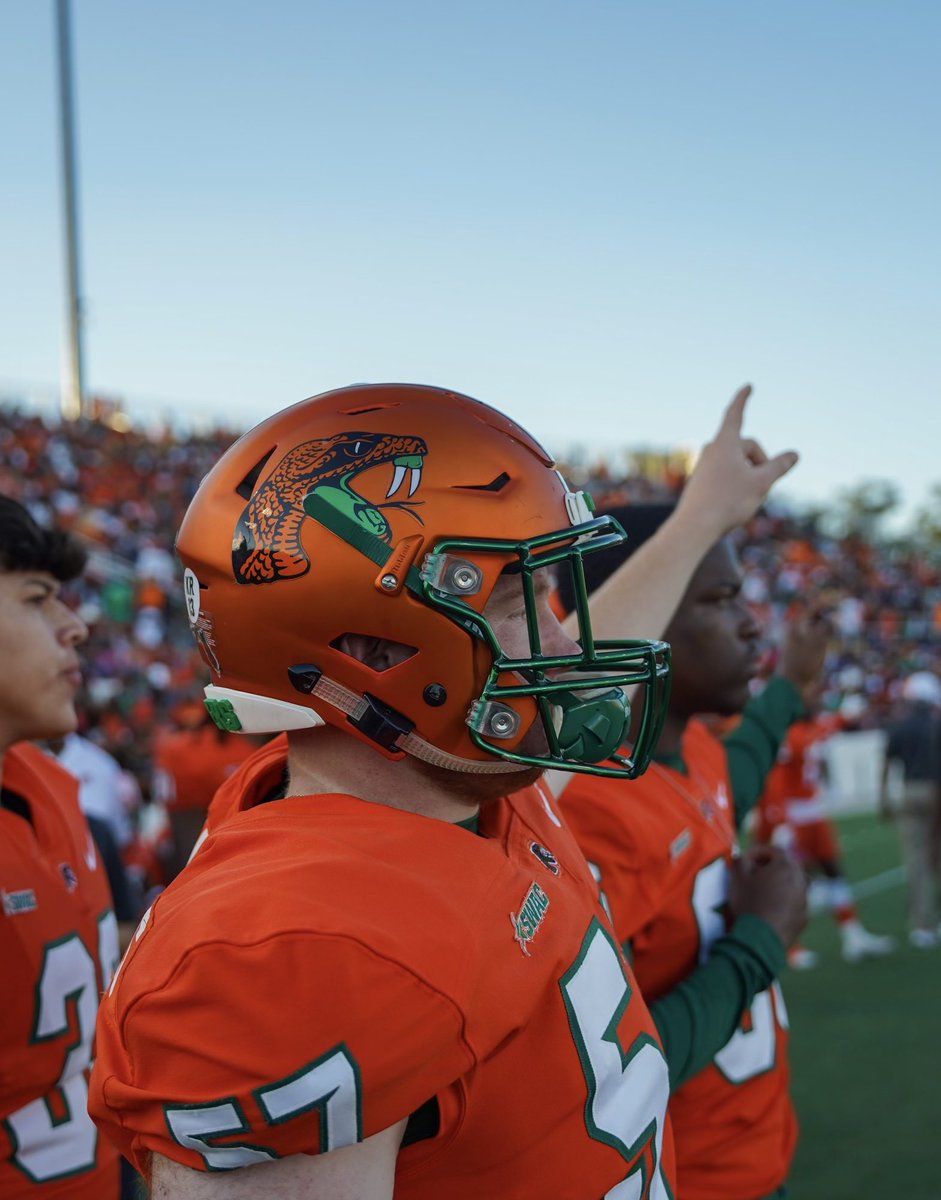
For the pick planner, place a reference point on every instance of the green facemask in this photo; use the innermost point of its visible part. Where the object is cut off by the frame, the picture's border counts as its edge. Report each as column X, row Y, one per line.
column 585, row 716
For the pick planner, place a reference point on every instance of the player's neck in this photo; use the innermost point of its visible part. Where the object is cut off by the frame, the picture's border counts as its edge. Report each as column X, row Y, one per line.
column 326, row 760
column 670, row 742
column 5, row 745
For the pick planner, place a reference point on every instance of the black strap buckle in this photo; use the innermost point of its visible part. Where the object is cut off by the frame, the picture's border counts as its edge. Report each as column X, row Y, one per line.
column 382, row 724
column 304, row 677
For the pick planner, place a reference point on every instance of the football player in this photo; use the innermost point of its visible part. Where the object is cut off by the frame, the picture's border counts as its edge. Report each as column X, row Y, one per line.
column 58, row 933
column 378, row 971
column 792, row 814
column 707, row 931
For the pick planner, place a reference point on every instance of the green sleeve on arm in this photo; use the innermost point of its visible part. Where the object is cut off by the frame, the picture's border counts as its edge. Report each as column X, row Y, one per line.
column 700, row 1015
column 752, row 748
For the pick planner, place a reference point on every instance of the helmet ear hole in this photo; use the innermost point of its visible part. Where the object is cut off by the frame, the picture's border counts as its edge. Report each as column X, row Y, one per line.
column 378, row 654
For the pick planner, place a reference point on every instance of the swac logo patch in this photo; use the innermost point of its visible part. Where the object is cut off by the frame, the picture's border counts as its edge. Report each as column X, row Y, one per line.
column 14, row 903
column 69, row 877
column 531, row 915
column 545, row 856
column 680, row 844
column 267, row 542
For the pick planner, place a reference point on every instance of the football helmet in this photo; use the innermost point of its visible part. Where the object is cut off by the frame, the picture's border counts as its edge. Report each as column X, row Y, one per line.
column 389, row 512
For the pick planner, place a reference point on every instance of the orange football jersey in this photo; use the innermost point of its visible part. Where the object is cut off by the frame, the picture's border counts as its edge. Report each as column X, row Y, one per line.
column 660, row 846
column 190, row 764
column 792, row 795
column 797, row 770
column 326, row 966
column 58, row 947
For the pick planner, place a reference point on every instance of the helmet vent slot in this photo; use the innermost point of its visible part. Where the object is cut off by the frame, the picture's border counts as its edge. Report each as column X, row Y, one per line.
column 495, row 485
column 378, row 654
column 247, row 486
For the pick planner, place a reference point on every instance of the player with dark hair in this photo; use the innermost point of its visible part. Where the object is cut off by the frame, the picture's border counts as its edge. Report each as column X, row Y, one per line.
column 58, row 933
column 378, row 971
column 707, row 930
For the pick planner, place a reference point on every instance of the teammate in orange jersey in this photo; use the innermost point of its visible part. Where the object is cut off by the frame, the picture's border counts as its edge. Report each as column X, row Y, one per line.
column 378, row 971
column 190, row 763
column 708, row 931
column 58, row 934
column 792, row 814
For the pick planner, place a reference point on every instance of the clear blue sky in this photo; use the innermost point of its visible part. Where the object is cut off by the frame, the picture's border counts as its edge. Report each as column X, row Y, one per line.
column 600, row 216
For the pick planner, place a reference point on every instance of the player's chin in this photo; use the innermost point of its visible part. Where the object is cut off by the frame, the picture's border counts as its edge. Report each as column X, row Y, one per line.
column 734, row 697
column 54, row 721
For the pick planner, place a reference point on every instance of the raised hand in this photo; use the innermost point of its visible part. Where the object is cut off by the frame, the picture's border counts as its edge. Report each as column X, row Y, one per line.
column 803, row 652
column 730, row 481
column 733, row 475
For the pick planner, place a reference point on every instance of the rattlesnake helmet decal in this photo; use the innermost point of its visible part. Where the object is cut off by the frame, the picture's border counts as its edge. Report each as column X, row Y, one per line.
column 267, row 542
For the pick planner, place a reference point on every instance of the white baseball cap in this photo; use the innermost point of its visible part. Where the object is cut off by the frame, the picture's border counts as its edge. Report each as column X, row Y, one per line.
column 923, row 687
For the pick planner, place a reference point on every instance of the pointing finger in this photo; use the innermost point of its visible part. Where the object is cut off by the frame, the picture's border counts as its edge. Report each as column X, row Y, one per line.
column 735, row 413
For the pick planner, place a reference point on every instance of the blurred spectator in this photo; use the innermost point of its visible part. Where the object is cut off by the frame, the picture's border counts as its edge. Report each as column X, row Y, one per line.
column 106, row 790
column 915, row 745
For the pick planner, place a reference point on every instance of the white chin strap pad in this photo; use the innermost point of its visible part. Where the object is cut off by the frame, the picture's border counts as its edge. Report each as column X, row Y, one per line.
column 262, row 714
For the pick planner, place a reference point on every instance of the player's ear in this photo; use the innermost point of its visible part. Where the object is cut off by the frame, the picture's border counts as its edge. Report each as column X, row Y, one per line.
column 379, row 654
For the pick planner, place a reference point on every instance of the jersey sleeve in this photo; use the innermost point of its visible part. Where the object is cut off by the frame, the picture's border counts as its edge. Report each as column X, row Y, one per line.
column 751, row 749
column 699, row 1016
column 299, row 1044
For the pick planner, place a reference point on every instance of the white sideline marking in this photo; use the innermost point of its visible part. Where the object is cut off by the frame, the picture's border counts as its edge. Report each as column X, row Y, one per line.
column 879, row 883
column 818, row 900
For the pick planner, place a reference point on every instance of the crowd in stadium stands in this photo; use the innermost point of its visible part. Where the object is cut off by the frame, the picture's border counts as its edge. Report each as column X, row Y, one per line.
column 123, row 490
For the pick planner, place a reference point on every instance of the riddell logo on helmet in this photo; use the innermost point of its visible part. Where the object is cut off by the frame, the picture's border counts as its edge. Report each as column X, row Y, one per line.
column 315, row 480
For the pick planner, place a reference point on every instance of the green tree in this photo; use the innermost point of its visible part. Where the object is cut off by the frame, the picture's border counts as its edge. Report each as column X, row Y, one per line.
column 928, row 519
column 862, row 508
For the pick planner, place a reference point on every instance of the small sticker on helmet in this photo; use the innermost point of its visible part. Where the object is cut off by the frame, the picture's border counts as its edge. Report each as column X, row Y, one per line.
column 191, row 594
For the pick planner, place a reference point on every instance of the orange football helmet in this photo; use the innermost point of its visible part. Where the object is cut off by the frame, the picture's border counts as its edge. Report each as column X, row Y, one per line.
column 389, row 512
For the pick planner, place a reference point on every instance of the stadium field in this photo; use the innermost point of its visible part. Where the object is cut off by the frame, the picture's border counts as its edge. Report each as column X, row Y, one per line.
column 866, row 1045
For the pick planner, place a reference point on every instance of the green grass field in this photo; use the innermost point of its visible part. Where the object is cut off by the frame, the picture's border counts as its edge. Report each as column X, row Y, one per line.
column 866, row 1046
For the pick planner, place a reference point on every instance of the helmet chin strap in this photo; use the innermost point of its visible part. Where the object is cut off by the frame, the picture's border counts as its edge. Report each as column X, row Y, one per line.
column 355, row 706
column 244, row 712
column 419, row 748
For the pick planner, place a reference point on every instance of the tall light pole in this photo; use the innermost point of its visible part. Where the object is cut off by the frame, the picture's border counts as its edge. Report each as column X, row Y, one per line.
column 73, row 392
